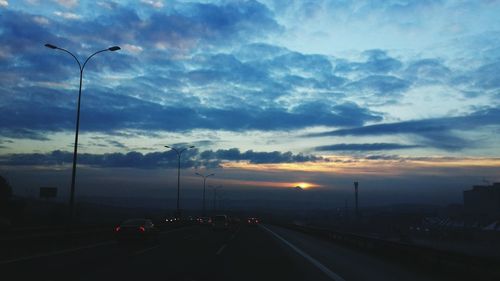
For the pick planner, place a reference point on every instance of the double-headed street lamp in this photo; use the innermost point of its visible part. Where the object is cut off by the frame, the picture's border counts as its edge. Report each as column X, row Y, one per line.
column 204, row 182
column 179, row 153
column 73, row 173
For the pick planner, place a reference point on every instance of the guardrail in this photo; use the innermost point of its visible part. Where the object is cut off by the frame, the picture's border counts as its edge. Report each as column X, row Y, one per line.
column 478, row 268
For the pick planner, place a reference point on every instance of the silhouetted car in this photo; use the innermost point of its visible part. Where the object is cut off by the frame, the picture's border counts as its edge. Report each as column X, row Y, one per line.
column 252, row 221
column 220, row 222
column 205, row 221
column 136, row 229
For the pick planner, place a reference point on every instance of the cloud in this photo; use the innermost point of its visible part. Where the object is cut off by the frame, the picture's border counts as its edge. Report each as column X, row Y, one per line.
column 3, row 142
column 427, row 71
column 364, row 147
column 384, row 85
column 212, row 72
column 198, row 23
column 377, row 62
column 234, row 154
column 52, row 111
column 191, row 158
column 435, row 132
column 4, row 3
column 132, row 48
column 486, row 76
column 67, row 15
column 67, row 3
column 156, row 4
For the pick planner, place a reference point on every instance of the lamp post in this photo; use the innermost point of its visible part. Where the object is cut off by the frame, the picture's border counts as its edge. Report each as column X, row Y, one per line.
column 215, row 196
column 75, row 151
column 204, row 182
column 179, row 153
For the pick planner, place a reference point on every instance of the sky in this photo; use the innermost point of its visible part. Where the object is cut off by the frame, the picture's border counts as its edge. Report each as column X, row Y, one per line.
column 401, row 95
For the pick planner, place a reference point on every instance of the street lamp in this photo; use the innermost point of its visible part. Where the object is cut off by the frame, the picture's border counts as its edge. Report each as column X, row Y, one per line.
column 204, row 182
column 81, row 67
column 179, row 153
column 215, row 195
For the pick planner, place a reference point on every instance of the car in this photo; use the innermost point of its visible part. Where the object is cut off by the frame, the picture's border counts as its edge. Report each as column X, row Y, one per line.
column 136, row 229
column 252, row 221
column 205, row 221
column 220, row 222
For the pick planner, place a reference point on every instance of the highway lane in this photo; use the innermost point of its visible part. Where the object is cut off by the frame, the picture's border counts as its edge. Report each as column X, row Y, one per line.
column 351, row 264
column 199, row 253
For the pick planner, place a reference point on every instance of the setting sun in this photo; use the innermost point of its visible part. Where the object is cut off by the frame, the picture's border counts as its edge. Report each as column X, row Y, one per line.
column 304, row 185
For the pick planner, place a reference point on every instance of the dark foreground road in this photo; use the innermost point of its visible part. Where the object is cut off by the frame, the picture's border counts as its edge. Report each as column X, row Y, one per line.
column 199, row 253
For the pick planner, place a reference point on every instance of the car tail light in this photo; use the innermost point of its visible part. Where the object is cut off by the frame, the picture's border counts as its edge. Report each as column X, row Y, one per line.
column 142, row 229
column 256, row 221
column 117, row 228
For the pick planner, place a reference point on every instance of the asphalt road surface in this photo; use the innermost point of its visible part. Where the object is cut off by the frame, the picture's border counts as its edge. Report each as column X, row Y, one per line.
column 198, row 253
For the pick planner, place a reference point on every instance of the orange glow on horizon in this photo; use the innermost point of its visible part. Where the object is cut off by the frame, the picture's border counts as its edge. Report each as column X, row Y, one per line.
column 348, row 165
column 305, row 185
column 276, row 184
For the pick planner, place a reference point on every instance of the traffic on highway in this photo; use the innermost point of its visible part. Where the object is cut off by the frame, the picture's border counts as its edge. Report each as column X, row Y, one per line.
column 249, row 140
column 227, row 248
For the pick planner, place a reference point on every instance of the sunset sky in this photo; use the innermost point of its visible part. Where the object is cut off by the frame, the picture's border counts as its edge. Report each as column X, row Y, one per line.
column 402, row 96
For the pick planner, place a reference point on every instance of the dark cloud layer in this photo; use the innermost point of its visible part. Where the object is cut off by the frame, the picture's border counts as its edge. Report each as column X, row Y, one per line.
column 257, row 157
column 435, row 132
column 364, row 147
column 152, row 160
column 106, row 112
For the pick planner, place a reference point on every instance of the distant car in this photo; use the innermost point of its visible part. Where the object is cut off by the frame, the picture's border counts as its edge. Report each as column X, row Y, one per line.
column 220, row 222
column 252, row 221
column 205, row 221
column 172, row 220
column 136, row 229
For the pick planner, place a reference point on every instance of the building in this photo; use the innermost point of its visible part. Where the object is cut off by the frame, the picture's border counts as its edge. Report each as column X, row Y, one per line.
column 483, row 201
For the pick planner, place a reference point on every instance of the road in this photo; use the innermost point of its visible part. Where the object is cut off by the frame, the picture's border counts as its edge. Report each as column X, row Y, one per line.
column 198, row 253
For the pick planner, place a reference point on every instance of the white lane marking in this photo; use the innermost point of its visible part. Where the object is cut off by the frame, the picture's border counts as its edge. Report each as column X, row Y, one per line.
column 316, row 263
column 221, row 249
column 65, row 251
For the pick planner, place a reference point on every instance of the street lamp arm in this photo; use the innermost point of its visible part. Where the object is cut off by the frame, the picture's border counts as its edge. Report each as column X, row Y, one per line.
column 85, row 63
column 70, row 53
column 176, row 151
